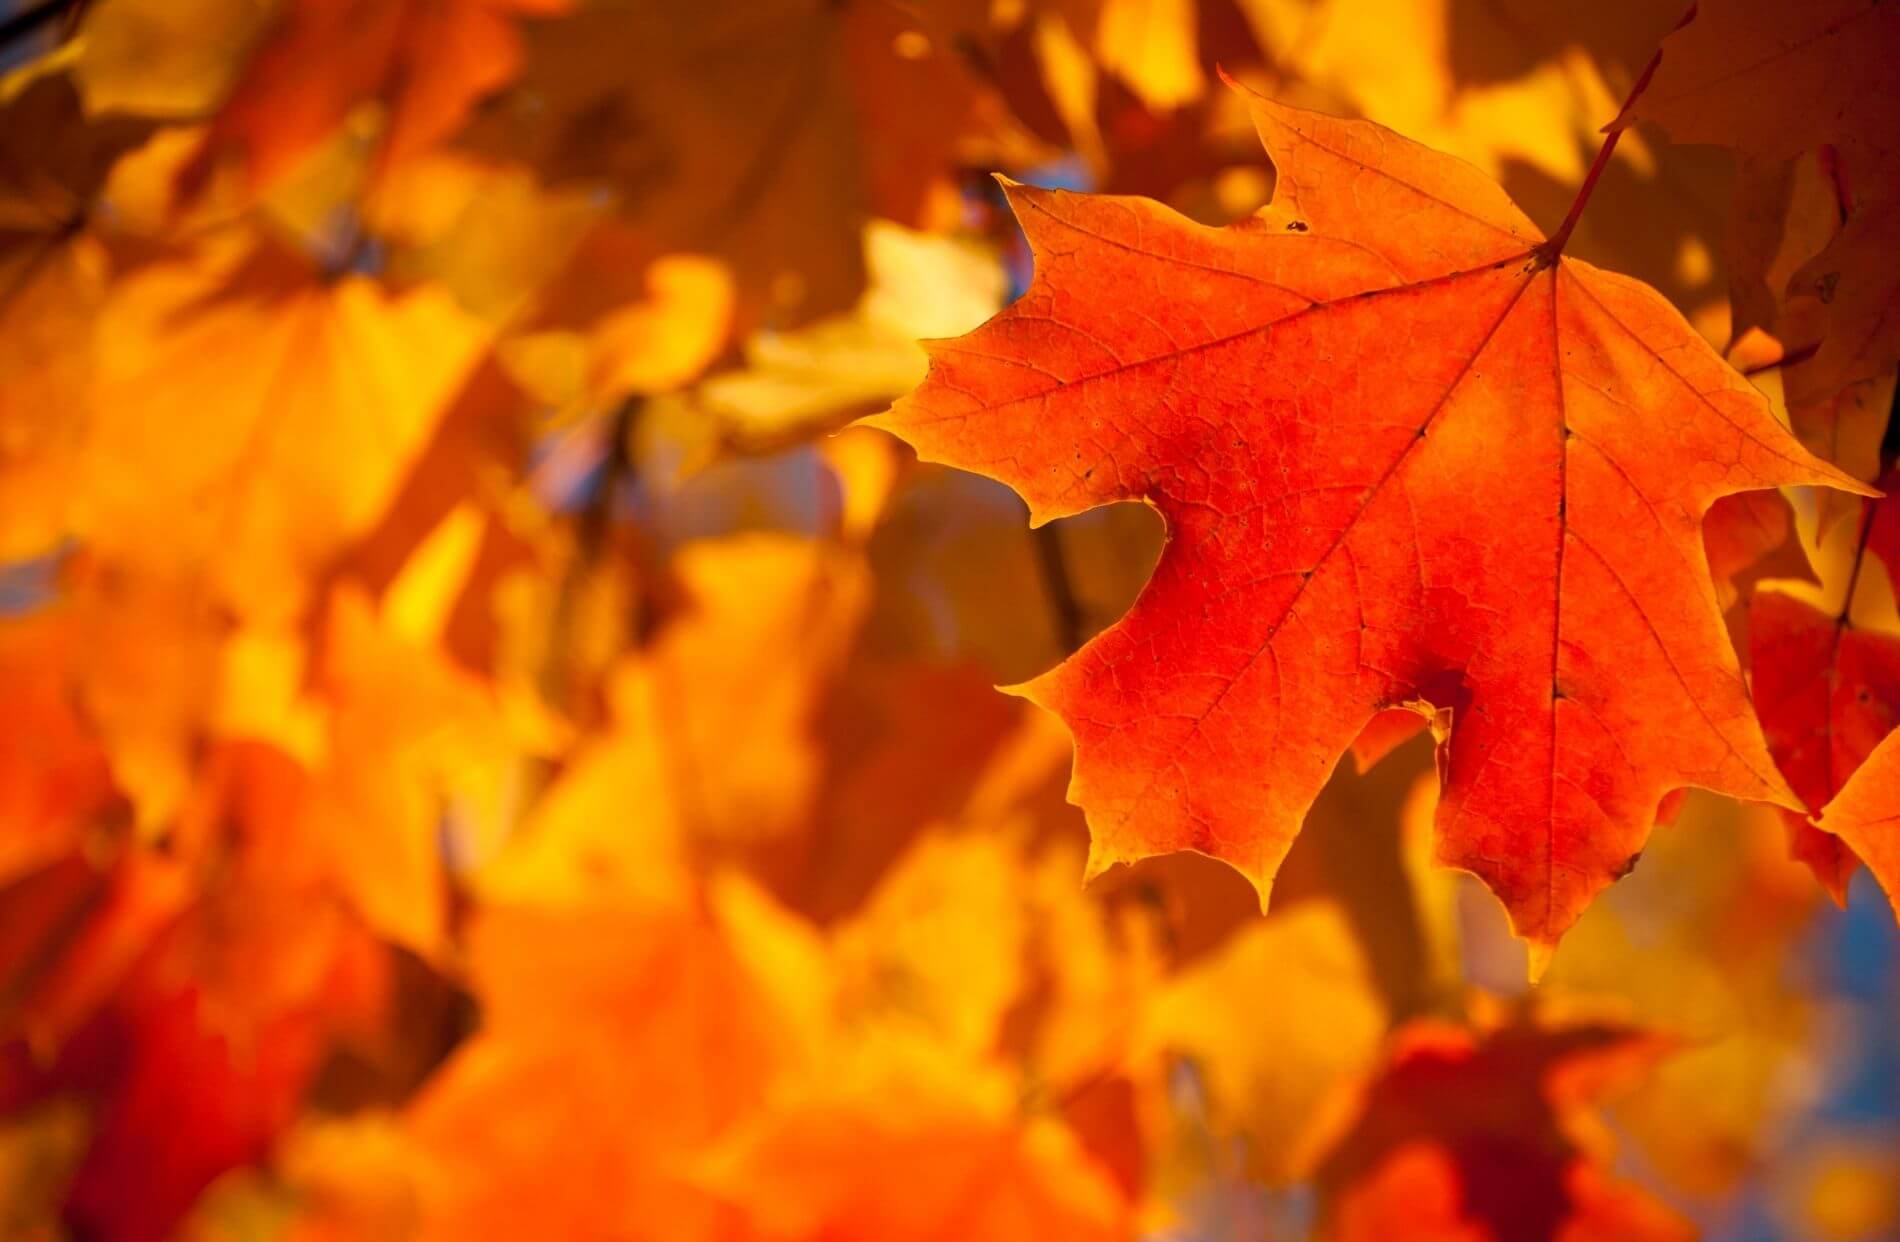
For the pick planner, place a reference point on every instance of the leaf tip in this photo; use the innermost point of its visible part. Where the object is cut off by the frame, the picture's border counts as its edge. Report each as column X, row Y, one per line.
column 1861, row 488
column 1262, row 887
column 1100, row 860
column 1833, row 872
column 1014, row 191
column 1016, row 194
column 1019, row 690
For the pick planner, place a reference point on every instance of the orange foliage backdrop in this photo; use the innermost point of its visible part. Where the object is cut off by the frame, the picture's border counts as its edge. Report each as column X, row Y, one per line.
column 501, row 620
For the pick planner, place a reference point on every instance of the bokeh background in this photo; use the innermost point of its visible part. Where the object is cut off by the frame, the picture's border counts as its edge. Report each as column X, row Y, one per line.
column 487, row 749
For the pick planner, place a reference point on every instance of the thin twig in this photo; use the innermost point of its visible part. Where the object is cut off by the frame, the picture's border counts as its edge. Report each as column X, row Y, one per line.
column 1844, row 619
column 1793, row 357
column 1555, row 246
column 1843, row 622
column 592, row 527
column 1065, row 613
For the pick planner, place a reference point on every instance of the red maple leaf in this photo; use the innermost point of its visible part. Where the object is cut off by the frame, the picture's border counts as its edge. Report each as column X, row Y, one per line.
column 1408, row 455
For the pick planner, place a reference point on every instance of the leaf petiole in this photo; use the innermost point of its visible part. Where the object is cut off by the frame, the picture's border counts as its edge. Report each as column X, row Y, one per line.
column 1548, row 252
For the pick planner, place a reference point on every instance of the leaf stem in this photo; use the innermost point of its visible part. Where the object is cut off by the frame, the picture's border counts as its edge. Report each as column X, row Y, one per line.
column 1555, row 246
column 1844, row 620
column 1793, row 357
column 593, row 527
column 1065, row 611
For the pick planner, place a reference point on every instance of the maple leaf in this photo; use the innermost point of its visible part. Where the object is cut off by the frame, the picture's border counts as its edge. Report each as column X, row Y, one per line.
column 724, row 130
column 859, row 1169
column 920, row 286
column 1751, row 536
column 754, row 594
column 1703, row 938
column 1774, row 80
column 1827, row 690
column 1082, row 48
column 615, row 1041
column 644, row 1046
column 735, row 749
column 1519, row 89
column 189, row 997
column 1844, row 426
column 259, row 414
column 1408, row 454
column 589, row 312
column 1837, row 722
column 145, row 679
column 925, row 106
column 905, row 1004
column 412, row 741
column 1785, row 211
column 427, row 61
column 1474, row 1136
column 118, row 668
column 76, row 927
column 1866, row 815
column 165, row 58
column 54, row 778
column 53, row 279
column 758, row 133
column 627, row 345
column 227, row 1012
column 416, row 820
column 1270, row 1070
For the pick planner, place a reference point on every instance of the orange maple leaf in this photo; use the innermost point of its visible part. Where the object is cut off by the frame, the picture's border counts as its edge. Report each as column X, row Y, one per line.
column 259, row 414
column 426, row 61
column 1750, row 536
column 1408, row 455
column 190, row 997
column 1866, row 815
column 54, row 269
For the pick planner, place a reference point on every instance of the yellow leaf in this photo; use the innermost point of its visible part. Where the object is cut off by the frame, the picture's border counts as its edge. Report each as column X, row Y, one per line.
column 261, row 417
column 168, row 58
column 1281, row 1018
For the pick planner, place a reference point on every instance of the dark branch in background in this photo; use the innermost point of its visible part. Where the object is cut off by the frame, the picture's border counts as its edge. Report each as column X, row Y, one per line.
column 593, row 526
column 26, row 23
column 1792, row 358
column 1065, row 614
column 1890, row 442
column 615, row 467
column 1844, row 620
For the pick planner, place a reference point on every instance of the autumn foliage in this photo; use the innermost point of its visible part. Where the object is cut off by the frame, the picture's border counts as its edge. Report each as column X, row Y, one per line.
column 886, row 620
